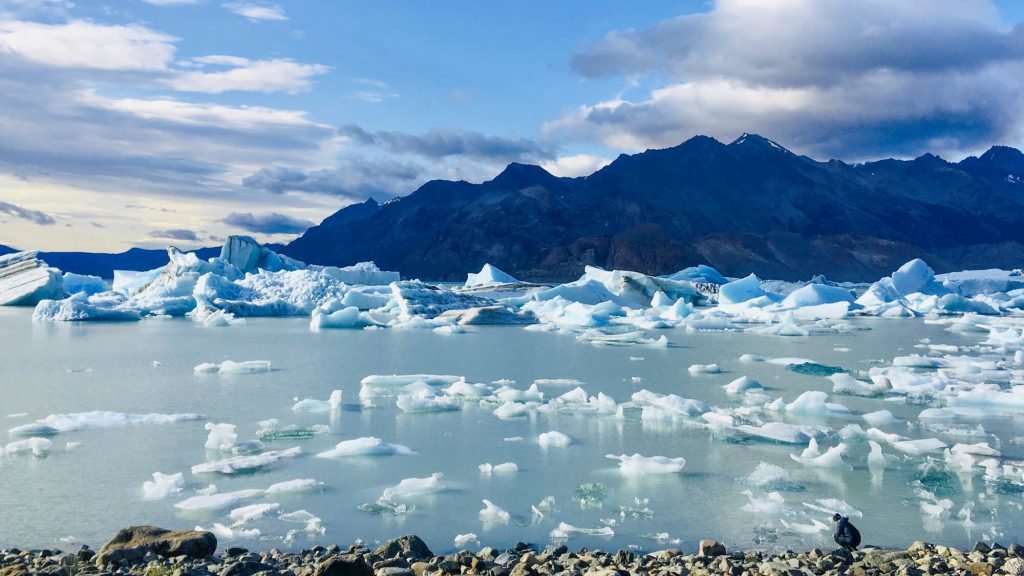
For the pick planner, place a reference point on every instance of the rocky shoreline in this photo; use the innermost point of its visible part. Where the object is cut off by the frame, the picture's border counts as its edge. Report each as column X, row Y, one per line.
column 150, row 551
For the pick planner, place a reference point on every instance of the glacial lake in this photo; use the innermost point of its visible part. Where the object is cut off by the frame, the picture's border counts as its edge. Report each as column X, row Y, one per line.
column 85, row 491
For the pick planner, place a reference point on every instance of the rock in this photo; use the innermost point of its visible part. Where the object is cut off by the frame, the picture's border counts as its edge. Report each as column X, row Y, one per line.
column 244, row 568
column 419, row 568
column 394, row 571
column 919, row 546
column 982, row 547
column 1014, row 566
column 709, row 548
column 841, row 556
column 404, row 547
column 980, row 568
column 343, row 565
column 132, row 544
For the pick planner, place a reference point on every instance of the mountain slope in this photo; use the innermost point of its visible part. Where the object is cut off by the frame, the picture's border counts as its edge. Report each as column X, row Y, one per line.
column 750, row 205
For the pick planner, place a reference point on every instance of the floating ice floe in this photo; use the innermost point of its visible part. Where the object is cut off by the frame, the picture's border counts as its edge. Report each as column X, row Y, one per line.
column 493, row 515
column 252, row 512
column 162, row 486
column 414, row 487
column 59, row 423
column 313, row 405
column 770, row 503
column 463, row 540
column 296, row 486
column 368, row 446
column 554, row 439
column 564, row 531
column 230, row 367
column 488, row 469
column 742, row 385
column 489, row 276
column 695, row 369
column 218, row 501
column 36, row 446
column 831, row 458
column 245, row 463
column 637, row 465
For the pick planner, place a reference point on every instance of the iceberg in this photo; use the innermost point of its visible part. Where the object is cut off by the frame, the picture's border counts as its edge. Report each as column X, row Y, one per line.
column 245, row 514
column 770, row 503
column 489, row 276
column 700, row 273
column 75, row 283
column 564, row 531
column 817, row 295
column 245, row 463
column 217, row 502
column 461, row 540
column 742, row 290
column 742, row 385
column 294, row 486
column 488, row 469
column 554, row 439
column 58, row 423
column 230, row 367
column 26, row 280
column 831, row 458
column 82, row 307
column 419, row 299
column 492, row 515
column 36, row 446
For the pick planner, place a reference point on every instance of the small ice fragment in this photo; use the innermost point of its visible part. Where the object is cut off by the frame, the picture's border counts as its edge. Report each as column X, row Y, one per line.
column 37, row 446
column 751, row 358
column 696, row 369
column 831, row 458
column 223, row 532
column 413, row 487
column 215, row 502
column 510, row 410
column 554, row 439
column 770, row 503
column 879, row 418
column 367, row 446
column 294, row 486
column 563, row 531
column 637, row 465
column 492, row 515
column 230, row 367
column 157, row 364
column 461, row 540
column 162, row 485
column 245, row 514
column 222, row 437
column 514, row 439
column 237, row 464
column 742, row 385
column 876, row 460
column 507, row 468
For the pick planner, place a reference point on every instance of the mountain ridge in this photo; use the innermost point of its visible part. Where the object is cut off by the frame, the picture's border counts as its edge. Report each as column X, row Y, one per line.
column 747, row 206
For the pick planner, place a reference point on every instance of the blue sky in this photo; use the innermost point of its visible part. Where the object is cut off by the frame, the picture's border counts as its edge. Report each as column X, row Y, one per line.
column 149, row 122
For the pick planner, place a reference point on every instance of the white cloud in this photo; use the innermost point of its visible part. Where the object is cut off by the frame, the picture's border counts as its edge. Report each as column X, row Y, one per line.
column 849, row 78
column 170, row 2
column 256, row 12
column 83, row 44
column 575, row 165
column 279, row 75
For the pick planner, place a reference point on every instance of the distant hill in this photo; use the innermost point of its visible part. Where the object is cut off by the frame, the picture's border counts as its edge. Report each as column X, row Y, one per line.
column 7, row 250
column 747, row 206
column 103, row 265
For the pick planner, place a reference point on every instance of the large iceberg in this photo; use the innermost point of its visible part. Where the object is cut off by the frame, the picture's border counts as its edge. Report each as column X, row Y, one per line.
column 489, row 276
column 25, row 280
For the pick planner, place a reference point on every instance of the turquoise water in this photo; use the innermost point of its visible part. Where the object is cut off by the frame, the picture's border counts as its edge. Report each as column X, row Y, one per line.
column 83, row 494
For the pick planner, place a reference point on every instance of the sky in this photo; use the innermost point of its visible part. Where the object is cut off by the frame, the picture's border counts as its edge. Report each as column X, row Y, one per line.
column 157, row 122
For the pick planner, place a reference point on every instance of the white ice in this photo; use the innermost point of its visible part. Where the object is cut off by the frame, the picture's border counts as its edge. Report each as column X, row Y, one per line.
column 366, row 446
column 162, row 486
column 637, row 465
column 554, row 439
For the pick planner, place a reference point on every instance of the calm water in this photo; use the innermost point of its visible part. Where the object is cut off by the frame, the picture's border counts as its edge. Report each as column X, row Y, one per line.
column 90, row 491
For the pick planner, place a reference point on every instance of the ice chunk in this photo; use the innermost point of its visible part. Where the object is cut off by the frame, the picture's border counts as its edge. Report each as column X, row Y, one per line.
column 876, row 460
column 770, row 503
column 294, row 486
column 832, row 506
column 229, row 367
column 350, row 317
column 74, row 283
column 313, row 405
column 563, row 531
column 487, row 276
column 222, row 319
column 245, row 514
column 979, row 449
column 554, row 439
column 879, row 418
column 492, row 515
column 25, row 280
column 487, row 469
column 768, row 477
column 510, row 410
column 782, row 432
column 832, row 458
column 99, row 419
column 129, row 282
column 918, row 447
column 740, row 290
column 914, row 276
column 418, row 299
column 700, row 273
column 742, row 385
column 248, row 463
column 815, row 527
column 813, row 402
column 162, row 486
column 223, row 532
column 817, row 295
column 362, row 274
column 37, row 446
column 695, row 369
column 216, row 502
column 222, row 437
column 367, row 446
column 637, row 465
column 427, row 403
column 80, row 308
column 843, row 383
column 414, row 487
column 461, row 540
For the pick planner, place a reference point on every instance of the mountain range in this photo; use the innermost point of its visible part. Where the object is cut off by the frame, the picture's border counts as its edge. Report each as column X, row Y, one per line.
column 747, row 206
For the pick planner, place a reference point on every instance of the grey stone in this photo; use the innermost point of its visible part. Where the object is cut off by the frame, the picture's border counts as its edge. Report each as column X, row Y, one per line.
column 132, row 544
column 404, row 547
column 710, row 548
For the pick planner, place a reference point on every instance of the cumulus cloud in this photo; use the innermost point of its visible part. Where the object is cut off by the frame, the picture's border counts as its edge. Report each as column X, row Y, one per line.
column 272, row 223
column 575, row 165
column 848, row 78
column 170, row 2
column 41, row 218
column 242, row 74
column 175, row 234
column 438, row 143
column 257, row 12
column 83, row 44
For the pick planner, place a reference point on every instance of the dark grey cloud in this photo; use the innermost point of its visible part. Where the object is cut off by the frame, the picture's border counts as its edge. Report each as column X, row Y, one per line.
column 846, row 78
column 439, row 143
column 41, row 218
column 357, row 179
column 272, row 223
column 175, row 234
